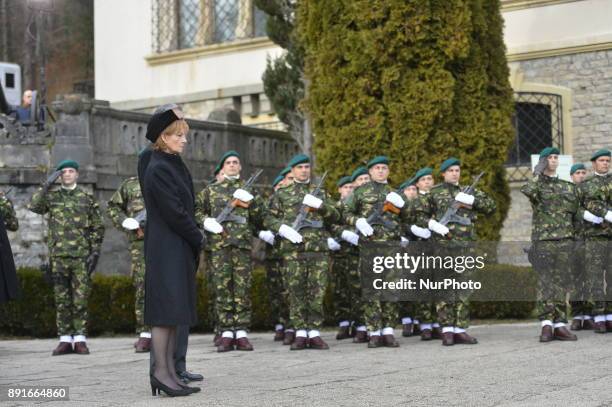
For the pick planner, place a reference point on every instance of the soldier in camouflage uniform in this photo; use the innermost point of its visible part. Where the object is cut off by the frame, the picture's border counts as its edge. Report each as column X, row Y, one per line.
column 125, row 205
column 555, row 205
column 277, row 287
column 345, row 279
column 425, row 311
column 597, row 192
column 450, row 240
column 360, row 332
column 379, row 315
column 306, row 251
column 231, row 244
column 581, row 309
column 208, row 273
column 414, row 195
column 7, row 213
column 75, row 237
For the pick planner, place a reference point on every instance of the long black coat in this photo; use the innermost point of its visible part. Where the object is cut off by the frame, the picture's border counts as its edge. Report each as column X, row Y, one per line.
column 9, row 288
column 172, row 242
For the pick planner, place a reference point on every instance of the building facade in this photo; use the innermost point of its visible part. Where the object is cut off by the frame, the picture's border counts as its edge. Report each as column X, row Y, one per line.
column 559, row 53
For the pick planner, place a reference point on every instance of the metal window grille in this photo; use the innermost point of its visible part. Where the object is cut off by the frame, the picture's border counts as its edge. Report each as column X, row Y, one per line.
column 538, row 123
column 183, row 24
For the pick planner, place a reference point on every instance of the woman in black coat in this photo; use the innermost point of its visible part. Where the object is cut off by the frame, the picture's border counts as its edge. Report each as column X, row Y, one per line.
column 172, row 245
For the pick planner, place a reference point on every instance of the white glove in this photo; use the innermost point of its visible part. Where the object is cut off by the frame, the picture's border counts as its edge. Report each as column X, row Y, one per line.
column 290, row 234
column 609, row 216
column 242, row 195
column 130, row 224
column 312, row 201
column 420, row 232
column 211, row 225
column 465, row 198
column 332, row 244
column 351, row 237
column 437, row 227
column 364, row 227
column 589, row 217
column 395, row 199
column 266, row 236
column 404, row 242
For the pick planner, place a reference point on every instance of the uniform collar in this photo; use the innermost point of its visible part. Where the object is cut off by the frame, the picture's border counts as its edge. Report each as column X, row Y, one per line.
column 72, row 188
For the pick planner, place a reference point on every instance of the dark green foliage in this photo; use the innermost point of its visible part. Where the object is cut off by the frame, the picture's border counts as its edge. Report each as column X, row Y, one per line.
column 416, row 80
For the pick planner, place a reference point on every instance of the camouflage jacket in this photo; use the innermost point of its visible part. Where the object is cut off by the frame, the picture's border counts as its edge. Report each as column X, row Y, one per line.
column 7, row 213
column 126, row 202
column 441, row 197
column 555, row 205
column 75, row 221
column 211, row 201
column 597, row 192
column 418, row 212
column 273, row 252
column 364, row 202
column 284, row 209
column 336, row 232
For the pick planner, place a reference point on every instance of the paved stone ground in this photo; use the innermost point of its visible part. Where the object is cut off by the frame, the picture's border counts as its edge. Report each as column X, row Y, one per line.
column 508, row 368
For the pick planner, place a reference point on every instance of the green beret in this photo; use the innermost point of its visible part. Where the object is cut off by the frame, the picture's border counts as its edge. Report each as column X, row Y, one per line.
column 422, row 172
column 548, row 151
column 297, row 160
column 408, row 182
column 225, row 156
column 277, row 180
column 379, row 159
column 600, row 153
column 343, row 181
column 358, row 172
column 217, row 170
column 449, row 163
column 577, row 167
column 285, row 171
column 67, row 164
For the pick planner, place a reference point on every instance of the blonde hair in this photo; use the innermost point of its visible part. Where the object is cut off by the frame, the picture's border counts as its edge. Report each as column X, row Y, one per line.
column 174, row 127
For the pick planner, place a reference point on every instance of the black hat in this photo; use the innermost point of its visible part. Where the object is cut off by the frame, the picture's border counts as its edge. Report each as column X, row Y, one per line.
column 163, row 117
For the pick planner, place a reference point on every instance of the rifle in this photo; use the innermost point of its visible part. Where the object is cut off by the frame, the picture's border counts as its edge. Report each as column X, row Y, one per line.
column 301, row 221
column 451, row 213
column 376, row 217
column 226, row 214
column 141, row 218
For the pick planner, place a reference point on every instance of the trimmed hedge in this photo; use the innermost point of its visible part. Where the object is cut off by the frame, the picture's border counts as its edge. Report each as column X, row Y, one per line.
column 111, row 305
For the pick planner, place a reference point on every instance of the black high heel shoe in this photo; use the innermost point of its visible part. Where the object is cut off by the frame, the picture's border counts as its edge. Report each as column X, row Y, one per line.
column 157, row 387
column 193, row 389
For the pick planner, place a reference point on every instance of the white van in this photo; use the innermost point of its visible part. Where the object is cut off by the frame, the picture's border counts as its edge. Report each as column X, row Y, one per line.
column 10, row 77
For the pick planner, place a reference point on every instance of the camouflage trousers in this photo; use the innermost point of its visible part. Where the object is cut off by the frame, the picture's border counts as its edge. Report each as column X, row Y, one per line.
column 407, row 309
column 377, row 314
column 578, row 291
column 277, row 292
column 211, row 290
column 138, row 279
column 71, row 287
column 346, row 288
column 425, row 312
column 232, row 280
column 599, row 273
column 553, row 268
column 453, row 306
column 306, row 276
